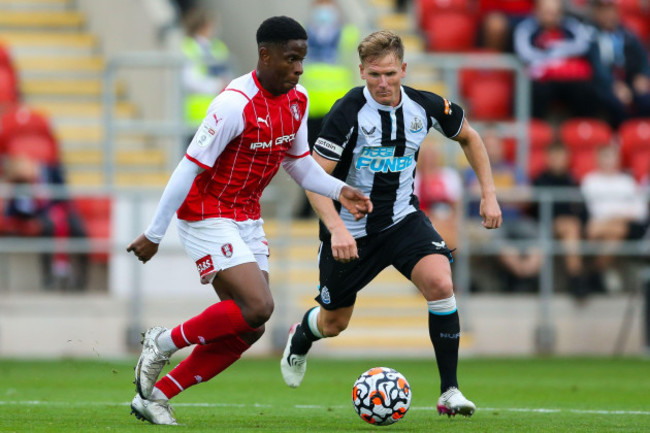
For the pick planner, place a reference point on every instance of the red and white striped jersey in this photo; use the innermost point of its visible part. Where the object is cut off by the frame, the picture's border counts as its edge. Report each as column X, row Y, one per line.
column 241, row 143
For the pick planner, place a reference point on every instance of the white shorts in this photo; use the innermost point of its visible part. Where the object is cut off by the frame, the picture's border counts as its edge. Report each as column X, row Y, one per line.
column 216, row 244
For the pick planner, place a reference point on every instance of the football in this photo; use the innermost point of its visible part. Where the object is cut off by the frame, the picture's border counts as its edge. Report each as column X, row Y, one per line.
column 381, row 396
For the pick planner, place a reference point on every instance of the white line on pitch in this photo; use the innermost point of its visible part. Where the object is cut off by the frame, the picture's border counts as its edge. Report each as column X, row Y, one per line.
column 322, row 407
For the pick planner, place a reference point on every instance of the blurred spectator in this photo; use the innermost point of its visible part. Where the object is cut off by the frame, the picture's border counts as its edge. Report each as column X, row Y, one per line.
column 439, row 190
column 31, row 213
column 554, row 47
column 207, row 70
column 521, row 260
column 327, row 74
column 620, row 63
column 499, row 18
column 567, row 216
column 616, row 205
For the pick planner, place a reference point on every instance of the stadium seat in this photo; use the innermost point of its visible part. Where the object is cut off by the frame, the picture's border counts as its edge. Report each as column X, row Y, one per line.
column 96, row 215
column 450, row 31
column 585, row 133
column 635, row 140
column 583, row 137
column 425, row 8
column 8, row 80
column 631, row 7
column 541, row 135
column 489, row 94
column 639, row 25
column 27, row 132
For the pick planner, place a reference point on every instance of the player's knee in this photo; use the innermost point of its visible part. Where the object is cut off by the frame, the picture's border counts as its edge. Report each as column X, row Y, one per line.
column 257, row 313
column 438, row 287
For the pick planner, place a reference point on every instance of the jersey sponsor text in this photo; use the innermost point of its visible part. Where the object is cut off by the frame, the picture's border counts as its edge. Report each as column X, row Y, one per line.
column 381, row 160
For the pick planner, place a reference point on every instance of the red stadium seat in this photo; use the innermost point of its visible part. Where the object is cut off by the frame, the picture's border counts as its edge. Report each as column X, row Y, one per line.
column 632, row 7
column 640, row 166
column 490, row 100
column 489, row 95
column 8, row 80
column 635, row 139
column 27, row 132
column 583, row 137
column 541, row 134
column 425, row 8
column 96, row 214
column 638, row 24
column 584, row 133
column 450, row 31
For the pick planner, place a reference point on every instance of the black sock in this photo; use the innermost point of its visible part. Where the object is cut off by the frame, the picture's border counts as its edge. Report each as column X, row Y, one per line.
column 302, row 339
column 444, row 331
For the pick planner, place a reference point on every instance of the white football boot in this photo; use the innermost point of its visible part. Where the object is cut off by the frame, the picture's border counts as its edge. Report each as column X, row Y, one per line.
column 453, row 402
column 293, row 366
column 154, row 411
column 152, row 361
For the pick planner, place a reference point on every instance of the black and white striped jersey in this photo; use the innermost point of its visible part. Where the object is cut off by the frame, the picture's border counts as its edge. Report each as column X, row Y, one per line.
column 376, row 147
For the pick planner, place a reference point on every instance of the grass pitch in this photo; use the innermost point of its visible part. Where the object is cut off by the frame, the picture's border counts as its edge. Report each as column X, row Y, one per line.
column 512, row 395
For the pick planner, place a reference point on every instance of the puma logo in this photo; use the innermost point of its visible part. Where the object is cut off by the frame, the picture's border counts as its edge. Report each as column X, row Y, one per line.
column 439, row 245
column 263, row 120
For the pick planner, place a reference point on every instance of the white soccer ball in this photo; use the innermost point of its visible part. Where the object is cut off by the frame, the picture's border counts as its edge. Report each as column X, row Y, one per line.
column 381, row 396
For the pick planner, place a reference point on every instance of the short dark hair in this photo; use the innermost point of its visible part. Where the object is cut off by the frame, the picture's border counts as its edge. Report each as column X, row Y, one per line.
column 280, row 30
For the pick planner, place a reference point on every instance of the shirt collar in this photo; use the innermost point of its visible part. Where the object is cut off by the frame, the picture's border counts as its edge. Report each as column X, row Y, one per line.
column 377, row 106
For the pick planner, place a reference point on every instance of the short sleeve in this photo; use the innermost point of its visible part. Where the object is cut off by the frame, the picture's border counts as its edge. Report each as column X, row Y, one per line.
column 300, row 146
column 338, row 125
column 223, row 122
column 443, row 115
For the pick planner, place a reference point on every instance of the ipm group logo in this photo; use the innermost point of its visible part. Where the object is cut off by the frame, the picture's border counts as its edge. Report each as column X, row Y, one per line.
column 381, row 159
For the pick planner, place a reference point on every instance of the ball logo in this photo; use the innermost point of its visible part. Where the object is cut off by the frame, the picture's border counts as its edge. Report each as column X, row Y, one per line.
column 226, row 249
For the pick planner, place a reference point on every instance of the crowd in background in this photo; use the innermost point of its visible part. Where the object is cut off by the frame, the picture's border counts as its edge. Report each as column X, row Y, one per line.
column 588, row 64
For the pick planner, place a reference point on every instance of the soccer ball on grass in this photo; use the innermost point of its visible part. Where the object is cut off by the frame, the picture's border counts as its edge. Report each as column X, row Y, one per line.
column 381, row 396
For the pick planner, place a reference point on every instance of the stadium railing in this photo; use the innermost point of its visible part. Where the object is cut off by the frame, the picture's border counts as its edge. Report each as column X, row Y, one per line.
column 549, row 247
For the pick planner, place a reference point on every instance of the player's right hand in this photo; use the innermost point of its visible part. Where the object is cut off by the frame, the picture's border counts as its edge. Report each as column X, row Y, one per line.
column 143, row 248
column 356, row 202
column 344, row 246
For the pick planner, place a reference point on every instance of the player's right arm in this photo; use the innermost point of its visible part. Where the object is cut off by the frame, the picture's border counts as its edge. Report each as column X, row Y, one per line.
column 223, row 122
column 344, row 247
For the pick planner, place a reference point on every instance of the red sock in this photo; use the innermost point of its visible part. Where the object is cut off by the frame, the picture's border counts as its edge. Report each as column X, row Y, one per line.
column 218, row 320
column 205, row 362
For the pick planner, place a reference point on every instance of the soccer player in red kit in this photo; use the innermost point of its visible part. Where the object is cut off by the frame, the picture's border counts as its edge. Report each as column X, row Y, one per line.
column 256, row 124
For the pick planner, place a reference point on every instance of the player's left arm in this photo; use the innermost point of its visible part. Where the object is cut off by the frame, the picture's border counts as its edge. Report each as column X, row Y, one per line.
column 474, row 149
column 302, row 168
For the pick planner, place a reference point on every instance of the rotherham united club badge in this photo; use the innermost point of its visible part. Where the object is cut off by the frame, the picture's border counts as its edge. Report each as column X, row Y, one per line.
column 295, row 111
column 226, row 249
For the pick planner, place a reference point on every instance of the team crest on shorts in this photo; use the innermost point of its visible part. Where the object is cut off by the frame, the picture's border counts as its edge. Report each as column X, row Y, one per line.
column 226, row 249
column 295, row 111
column 325, row 295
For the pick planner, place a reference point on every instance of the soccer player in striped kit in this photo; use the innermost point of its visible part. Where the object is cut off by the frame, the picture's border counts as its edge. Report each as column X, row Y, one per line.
column 370, row 139
column 256, row 124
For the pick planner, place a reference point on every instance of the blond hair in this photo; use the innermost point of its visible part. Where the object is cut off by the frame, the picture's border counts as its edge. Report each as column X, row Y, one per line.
column 379, row 44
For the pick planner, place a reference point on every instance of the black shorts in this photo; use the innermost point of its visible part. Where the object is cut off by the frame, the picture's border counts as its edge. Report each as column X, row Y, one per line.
column 402, row 246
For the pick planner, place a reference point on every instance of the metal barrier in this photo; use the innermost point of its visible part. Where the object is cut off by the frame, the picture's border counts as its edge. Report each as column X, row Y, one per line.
column 546, row 243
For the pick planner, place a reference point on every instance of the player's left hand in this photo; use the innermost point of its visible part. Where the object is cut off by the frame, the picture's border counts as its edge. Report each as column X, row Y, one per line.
column 491, row 212
column 356, row 202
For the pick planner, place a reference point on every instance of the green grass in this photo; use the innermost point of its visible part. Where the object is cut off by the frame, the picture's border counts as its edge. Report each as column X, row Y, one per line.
column 93, row 396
